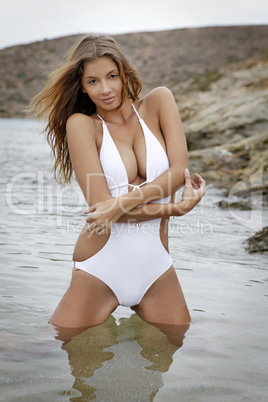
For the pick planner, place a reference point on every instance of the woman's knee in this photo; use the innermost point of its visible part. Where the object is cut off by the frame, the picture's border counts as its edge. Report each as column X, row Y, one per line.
column 86, row 303
column 80, row 317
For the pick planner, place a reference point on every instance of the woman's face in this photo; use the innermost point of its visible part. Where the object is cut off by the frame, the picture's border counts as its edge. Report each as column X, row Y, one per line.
column 102, row 83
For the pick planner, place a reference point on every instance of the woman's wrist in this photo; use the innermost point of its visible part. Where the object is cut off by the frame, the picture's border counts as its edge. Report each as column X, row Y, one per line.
column 128, row 202
column 179, row 209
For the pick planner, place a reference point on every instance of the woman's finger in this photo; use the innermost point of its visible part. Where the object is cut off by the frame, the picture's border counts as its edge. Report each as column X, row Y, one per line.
column 194, row 185
column 89, row 227
column 103, row 231
column 90, row 219
column 187, row 177
column 98, row 230
column 90, row 209
column 198, row 178
column 202, row 189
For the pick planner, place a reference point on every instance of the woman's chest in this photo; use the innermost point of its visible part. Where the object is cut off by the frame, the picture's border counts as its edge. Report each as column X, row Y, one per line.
column 128, row 149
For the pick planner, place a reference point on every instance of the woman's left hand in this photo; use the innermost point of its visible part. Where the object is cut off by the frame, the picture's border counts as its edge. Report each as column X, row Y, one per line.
column 102, row 216
column 193, row 192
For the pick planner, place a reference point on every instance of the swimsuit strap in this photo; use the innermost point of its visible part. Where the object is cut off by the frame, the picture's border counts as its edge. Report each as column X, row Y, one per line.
column 137, row 186
column 134, row 187
column 101, row 118
column 135, row 110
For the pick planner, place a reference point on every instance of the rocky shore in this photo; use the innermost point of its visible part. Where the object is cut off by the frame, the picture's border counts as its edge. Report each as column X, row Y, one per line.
column 258, row 242
column 227, row 132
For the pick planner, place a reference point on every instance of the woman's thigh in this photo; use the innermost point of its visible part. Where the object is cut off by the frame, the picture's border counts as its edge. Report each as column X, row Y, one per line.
column 88, row 301
column 164, row 302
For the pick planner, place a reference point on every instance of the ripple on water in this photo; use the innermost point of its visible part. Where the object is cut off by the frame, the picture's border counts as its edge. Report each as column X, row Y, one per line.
column 224, row 353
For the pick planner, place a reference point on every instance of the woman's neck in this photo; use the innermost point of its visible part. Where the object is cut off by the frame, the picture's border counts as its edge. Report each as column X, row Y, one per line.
column 119, row 116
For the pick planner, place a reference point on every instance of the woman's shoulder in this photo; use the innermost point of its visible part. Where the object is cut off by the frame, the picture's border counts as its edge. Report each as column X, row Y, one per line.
column 157, row 97
column 78, row 118
column 81, row 122
column 158, row 93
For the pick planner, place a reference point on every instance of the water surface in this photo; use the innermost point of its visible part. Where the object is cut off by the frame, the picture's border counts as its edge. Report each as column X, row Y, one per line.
column 224, row 354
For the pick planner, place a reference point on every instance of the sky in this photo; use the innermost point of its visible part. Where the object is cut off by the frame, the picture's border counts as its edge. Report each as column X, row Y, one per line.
column 25, row 21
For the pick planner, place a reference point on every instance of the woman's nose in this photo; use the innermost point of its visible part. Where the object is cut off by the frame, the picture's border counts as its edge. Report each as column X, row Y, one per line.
column 105, row 87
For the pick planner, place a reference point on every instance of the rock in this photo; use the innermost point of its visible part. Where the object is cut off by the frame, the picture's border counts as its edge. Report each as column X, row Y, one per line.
column 259, row 242
column 242, row 165
column 234, row 108
column 232, row 132
column 242, row 205
column 227, row 130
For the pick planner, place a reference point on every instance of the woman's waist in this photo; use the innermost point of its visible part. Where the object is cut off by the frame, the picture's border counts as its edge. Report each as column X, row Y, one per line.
column 151, row 226
column 136, row 226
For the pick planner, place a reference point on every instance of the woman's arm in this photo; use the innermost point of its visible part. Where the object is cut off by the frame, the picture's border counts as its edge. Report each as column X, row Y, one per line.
column 192, row 194
column 149, row 211
column 82, row 145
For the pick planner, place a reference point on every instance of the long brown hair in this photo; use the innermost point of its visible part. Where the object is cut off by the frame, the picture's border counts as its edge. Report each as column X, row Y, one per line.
column 63, row 96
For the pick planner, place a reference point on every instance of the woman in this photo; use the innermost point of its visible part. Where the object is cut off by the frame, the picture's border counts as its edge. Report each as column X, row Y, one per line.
column 129, row 156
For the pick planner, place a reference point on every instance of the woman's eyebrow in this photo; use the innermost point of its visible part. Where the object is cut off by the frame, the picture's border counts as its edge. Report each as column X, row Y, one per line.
column 90, row 76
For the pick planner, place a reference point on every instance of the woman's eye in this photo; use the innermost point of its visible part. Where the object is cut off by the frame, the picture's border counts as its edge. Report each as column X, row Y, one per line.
column 113, row 75
column 92, row 81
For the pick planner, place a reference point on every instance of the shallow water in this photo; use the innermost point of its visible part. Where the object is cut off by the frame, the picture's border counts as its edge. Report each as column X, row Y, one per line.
column 225, row 351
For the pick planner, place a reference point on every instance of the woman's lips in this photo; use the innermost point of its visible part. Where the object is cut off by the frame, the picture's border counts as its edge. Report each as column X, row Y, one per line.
column 108, row 100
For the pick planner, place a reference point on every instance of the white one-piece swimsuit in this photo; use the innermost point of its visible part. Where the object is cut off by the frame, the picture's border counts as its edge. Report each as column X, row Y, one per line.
column 134, row 257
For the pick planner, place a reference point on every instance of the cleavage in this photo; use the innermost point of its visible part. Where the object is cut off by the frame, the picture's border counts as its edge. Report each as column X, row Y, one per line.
column 133, row 156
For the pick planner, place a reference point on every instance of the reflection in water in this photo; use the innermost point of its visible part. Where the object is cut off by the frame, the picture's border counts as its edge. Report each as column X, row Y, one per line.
column 123, row 361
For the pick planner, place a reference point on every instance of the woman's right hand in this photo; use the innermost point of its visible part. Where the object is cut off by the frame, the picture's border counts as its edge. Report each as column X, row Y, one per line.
column 102, row 216
column 193, row 192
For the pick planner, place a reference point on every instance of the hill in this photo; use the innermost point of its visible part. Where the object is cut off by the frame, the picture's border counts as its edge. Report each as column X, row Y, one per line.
column 164, row 58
